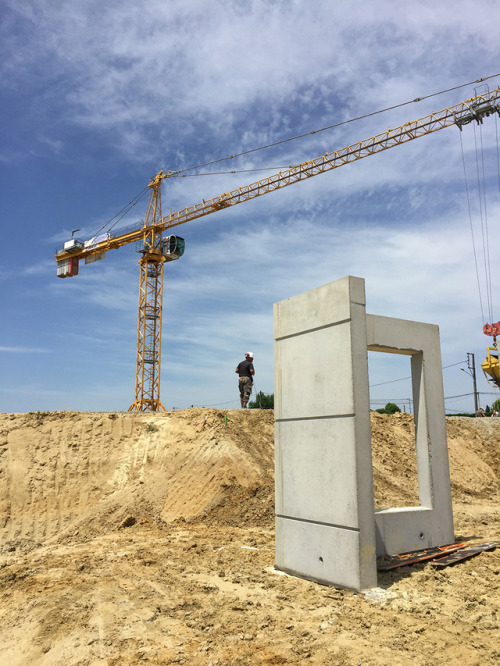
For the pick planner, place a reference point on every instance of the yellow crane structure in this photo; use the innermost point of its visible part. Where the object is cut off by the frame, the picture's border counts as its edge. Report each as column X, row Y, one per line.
column 157, row 249
column 490, row 365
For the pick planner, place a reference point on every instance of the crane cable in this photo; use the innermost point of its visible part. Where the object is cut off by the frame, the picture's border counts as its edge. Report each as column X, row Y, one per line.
column 182, row 172
column 339, row 124
column 483, row 217
column 482, row 227
column 122, row 212
column 483, row 209
column 126, row 209
column 472, row 228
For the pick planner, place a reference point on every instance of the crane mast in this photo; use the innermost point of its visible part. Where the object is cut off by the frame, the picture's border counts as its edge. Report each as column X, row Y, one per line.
column 147, row 375
column 154, row 254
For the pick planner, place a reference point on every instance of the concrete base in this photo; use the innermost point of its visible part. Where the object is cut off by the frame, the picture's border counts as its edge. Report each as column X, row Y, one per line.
column 326, row 527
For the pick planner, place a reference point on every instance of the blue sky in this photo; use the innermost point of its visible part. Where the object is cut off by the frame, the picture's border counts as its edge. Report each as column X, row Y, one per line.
column 98, row 97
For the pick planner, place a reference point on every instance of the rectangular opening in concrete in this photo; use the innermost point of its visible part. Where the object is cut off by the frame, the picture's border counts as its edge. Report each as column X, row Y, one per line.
column 394, row 450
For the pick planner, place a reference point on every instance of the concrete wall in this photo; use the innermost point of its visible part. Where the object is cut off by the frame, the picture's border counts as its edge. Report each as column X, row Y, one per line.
column 326, row 527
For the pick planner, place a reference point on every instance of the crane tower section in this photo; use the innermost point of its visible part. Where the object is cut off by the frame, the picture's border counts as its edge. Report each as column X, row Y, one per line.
column 155, row 251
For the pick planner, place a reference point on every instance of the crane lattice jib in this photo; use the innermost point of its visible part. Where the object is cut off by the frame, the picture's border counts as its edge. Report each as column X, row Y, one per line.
column 473, row 109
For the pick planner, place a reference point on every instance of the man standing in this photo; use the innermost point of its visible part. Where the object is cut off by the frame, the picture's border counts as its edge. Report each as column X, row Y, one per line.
column 245, row 371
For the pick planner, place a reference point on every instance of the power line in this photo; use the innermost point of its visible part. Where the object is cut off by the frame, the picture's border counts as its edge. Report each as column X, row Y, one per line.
column 403, row 378
column 392, row 381
column 384, row 401
column 377, row 401
column 453, row 364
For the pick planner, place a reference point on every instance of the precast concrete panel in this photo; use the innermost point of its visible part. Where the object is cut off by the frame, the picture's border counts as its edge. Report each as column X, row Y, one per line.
column 318, row 307
column 322, row 553
column 316, row 378
column 316, row 471
column 325, row 527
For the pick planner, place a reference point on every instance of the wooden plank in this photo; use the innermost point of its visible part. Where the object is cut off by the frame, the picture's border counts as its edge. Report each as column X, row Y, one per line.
column 405, row 559
column 462, row 554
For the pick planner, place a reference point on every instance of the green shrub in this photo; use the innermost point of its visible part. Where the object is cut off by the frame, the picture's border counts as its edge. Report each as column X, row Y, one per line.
column 390, row 408
column 262, row 401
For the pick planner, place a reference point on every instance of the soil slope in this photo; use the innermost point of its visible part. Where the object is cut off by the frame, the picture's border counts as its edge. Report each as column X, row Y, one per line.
column 138, row 538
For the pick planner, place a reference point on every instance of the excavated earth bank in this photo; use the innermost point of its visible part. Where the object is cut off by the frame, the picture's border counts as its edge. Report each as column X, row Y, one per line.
column 138, row 538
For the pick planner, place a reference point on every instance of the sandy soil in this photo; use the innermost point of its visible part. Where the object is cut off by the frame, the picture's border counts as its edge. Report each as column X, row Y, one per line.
column 138, row 538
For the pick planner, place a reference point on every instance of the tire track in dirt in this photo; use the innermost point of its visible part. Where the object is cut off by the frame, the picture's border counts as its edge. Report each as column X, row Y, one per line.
column 65, row 470
column 56, row 469
column 62, row 471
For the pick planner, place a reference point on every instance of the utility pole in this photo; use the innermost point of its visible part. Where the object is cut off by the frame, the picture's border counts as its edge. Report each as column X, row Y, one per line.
column 471, row 363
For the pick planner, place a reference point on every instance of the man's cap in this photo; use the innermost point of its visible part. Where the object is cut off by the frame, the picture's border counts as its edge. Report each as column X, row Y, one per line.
column 249, row 354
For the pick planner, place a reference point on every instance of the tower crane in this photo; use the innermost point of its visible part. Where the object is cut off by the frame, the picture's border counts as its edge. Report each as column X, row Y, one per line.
column 157, row 249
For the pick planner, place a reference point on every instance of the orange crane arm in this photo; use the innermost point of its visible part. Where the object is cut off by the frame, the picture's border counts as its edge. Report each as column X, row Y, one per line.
column 474, row 109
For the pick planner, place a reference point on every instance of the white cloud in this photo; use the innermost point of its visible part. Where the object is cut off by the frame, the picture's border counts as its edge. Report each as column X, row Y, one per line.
column 147, row 71
column 39, row 268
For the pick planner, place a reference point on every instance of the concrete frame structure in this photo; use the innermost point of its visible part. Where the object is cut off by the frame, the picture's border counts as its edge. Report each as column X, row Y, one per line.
column 326, row 527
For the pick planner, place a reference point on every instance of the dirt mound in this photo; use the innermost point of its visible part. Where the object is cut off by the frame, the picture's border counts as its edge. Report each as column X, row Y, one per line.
column 139, row 538
column 68, row 472
column 72, row 472
column 473, row 450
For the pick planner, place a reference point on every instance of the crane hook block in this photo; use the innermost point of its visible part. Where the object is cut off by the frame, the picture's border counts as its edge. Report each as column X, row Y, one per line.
column 172, row 247
column 492, row 329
